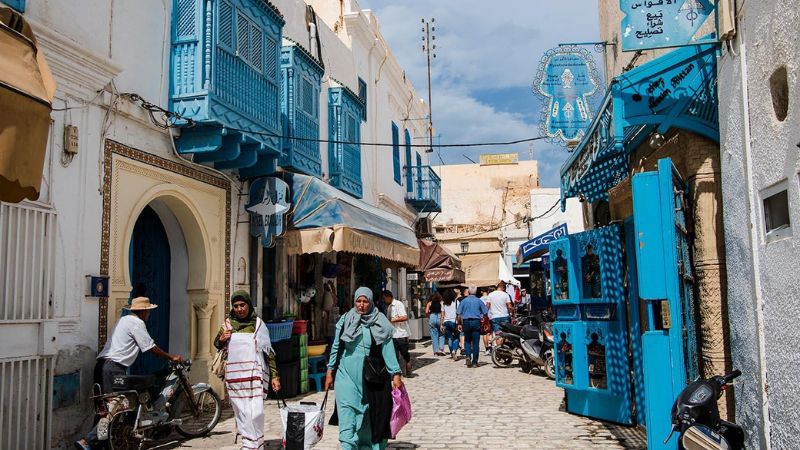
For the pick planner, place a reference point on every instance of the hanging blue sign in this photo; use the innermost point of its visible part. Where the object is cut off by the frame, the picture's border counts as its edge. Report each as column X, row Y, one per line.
column 567, row 79
column 649, row 24
column 540, row 244
column 267, row 206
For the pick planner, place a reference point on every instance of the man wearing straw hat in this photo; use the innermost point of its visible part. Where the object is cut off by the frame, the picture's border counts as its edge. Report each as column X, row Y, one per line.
column 129, row 337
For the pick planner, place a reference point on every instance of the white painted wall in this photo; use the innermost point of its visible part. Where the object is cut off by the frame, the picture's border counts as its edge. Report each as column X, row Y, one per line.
column 758, row 152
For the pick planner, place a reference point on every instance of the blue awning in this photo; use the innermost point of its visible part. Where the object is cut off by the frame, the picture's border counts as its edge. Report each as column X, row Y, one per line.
column 539, row 245
column 323, row 218
column 677, row 90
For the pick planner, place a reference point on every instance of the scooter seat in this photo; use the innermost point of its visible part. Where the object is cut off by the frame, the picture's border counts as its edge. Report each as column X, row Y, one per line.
column 138, row 383
column 511, row 328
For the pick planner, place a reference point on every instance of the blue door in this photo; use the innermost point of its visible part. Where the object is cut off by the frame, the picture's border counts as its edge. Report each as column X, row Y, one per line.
column 665, row 284
column 591, row 338
column 150, row 277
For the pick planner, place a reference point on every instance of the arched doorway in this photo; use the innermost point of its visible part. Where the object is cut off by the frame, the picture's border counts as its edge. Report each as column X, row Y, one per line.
column 150, row 277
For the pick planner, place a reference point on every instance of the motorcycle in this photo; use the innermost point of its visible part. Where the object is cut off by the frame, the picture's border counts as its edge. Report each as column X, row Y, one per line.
column 695, row 415
column 144, row 408
column 530, row 343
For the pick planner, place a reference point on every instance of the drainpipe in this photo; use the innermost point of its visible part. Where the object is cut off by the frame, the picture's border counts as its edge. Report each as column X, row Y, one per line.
column 754, row 245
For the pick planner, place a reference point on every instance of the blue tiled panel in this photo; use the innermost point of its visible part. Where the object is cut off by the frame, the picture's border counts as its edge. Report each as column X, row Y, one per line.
column 301, row 75
column 225, row 77
column 344, row 148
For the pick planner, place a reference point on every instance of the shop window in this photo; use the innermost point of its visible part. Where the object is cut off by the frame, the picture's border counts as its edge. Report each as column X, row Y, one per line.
column 596, row 353
column 779, row 89
column 590, row 265
column 560, row 276
column 777, row 222
column 565, row 372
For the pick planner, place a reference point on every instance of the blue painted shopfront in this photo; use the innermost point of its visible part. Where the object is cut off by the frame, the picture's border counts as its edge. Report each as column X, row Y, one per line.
column 623, row 293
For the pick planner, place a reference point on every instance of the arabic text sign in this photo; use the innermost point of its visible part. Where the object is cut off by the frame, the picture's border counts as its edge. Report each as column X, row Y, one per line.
column 499, row 159
column 268, row 206
column 568, row 78
column 651, row 24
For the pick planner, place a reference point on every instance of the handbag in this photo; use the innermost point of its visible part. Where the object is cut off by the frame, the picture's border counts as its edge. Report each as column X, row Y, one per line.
column 221, row 358
column 375, row 371
column 486, row 325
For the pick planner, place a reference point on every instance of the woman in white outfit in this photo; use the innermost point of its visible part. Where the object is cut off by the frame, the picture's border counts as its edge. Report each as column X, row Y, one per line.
column 247, row 339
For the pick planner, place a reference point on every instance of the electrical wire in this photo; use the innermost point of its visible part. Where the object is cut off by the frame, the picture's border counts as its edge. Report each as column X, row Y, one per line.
column 524, row 219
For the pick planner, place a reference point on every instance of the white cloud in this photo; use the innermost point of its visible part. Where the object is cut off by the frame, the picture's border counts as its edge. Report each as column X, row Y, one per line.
column 484, row 46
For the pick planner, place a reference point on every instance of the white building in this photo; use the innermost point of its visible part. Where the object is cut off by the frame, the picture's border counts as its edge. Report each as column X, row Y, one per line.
column 758, row 88
column 128, row 175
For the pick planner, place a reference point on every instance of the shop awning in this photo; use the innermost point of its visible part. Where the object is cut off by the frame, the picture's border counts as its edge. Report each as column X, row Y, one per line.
column 26, row 94
column 677, row 90
column 486, row 269
column 539, row 245
column 325, row 219
column 439, row 264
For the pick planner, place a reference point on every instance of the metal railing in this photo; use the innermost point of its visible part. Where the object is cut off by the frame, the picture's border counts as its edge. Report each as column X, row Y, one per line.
column 426, row 188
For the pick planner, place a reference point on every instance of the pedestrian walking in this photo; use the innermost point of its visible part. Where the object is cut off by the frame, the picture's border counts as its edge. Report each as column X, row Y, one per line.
column 434, row 312
column 462, row 294
column 247, row 339
column 127, row 340
column 364, row 408
column 470, row 312
column 486, row 334
column 450, row 312
column 500, row 305
column 396, row 312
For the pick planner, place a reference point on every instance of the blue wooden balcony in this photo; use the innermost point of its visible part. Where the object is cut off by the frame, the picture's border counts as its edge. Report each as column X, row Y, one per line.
column 425, row 193
column 301, row 78
column 225, row 62
column 344, row 148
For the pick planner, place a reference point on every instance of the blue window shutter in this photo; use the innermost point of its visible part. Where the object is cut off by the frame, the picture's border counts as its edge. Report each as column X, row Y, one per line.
column 362, row 95
column 256, row 48
column 409, row 170
column 243, row 36
column 396, row 152
column 225, row 36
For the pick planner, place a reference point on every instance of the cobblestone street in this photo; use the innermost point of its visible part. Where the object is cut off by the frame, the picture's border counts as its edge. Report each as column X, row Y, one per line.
column 456, row 407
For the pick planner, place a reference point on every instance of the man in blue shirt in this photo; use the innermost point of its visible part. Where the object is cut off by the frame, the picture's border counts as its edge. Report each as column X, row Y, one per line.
column 470, row 312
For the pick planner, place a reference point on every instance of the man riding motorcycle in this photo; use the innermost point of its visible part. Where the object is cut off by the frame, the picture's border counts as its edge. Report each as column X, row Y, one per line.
column 129, row 338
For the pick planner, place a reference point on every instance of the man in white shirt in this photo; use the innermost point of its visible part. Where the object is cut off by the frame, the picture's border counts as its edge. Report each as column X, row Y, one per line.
column 500, row 306
column 396, row 312
column 129, row 338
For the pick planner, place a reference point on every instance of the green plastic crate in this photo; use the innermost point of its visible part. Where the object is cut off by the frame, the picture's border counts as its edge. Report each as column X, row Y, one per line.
column 304, row 387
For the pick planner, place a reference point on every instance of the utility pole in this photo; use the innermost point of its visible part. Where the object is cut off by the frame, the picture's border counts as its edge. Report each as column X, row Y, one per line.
column 429, row 48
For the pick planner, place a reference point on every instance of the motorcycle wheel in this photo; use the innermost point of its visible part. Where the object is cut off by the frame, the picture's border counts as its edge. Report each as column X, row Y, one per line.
column 502, row 356
column 120, row 432
column 549, row 365
column 209, row 407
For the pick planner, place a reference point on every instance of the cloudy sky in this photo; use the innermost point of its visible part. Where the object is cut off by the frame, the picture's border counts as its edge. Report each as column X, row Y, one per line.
column 487, row 57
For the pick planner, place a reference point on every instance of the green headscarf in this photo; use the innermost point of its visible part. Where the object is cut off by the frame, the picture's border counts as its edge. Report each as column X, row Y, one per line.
column 248, row 324
column 380, row 327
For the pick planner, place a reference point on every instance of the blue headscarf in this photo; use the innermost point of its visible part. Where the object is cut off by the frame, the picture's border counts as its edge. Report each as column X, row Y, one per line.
column 380, row 327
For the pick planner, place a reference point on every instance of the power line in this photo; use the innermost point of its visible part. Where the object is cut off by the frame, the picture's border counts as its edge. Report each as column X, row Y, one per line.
column 524, row 219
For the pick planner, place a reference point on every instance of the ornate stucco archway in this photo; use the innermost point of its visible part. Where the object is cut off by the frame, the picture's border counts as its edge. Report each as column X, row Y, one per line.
column 200, row 204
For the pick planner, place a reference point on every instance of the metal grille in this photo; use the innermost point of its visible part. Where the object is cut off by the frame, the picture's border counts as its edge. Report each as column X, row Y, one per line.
column 26, row 387
column 307, row 94
column 186, row 22
column 225, row 35
column 27, row 250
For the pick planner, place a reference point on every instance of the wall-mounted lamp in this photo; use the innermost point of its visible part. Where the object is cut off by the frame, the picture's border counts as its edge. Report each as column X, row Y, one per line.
column 657, row 140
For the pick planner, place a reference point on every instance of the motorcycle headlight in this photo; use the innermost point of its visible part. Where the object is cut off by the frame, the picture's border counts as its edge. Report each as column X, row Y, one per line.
column 701, row 395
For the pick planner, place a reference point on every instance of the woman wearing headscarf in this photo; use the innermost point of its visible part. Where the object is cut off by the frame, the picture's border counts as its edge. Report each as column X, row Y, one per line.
column 364, row 409
column 247, row 339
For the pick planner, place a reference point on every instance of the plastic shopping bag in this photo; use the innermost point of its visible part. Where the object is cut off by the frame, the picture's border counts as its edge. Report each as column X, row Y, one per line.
column 303, row 424
column 401, row 410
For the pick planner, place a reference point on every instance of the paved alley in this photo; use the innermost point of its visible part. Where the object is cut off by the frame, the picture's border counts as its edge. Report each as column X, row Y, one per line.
column 456, row 407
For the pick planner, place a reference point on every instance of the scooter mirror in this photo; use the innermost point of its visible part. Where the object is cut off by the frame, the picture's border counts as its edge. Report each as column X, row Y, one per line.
column 700, row 437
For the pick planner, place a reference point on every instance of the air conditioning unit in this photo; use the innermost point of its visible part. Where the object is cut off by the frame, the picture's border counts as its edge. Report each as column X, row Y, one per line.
column 423, row 227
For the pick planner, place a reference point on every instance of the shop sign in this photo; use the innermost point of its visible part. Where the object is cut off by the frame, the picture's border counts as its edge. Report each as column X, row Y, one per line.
column 412, row 276
column 541, row 243
column 267, row 207
column 499, row 159
column 649, row 24
column 567, row 80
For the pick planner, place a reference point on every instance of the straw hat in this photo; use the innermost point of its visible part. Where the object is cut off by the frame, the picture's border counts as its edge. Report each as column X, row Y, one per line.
column 140, row 304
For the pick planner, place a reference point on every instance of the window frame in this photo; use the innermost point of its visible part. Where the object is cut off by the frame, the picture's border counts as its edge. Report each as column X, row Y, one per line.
column 396, row 154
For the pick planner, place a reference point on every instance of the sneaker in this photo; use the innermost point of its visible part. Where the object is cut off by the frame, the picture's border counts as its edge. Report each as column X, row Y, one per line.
column 453, row 355
column 469, row 365
column 488, row 352
column 81, row 446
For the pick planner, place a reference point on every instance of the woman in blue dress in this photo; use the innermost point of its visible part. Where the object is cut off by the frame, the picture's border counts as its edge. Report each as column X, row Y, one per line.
column 355, row 333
